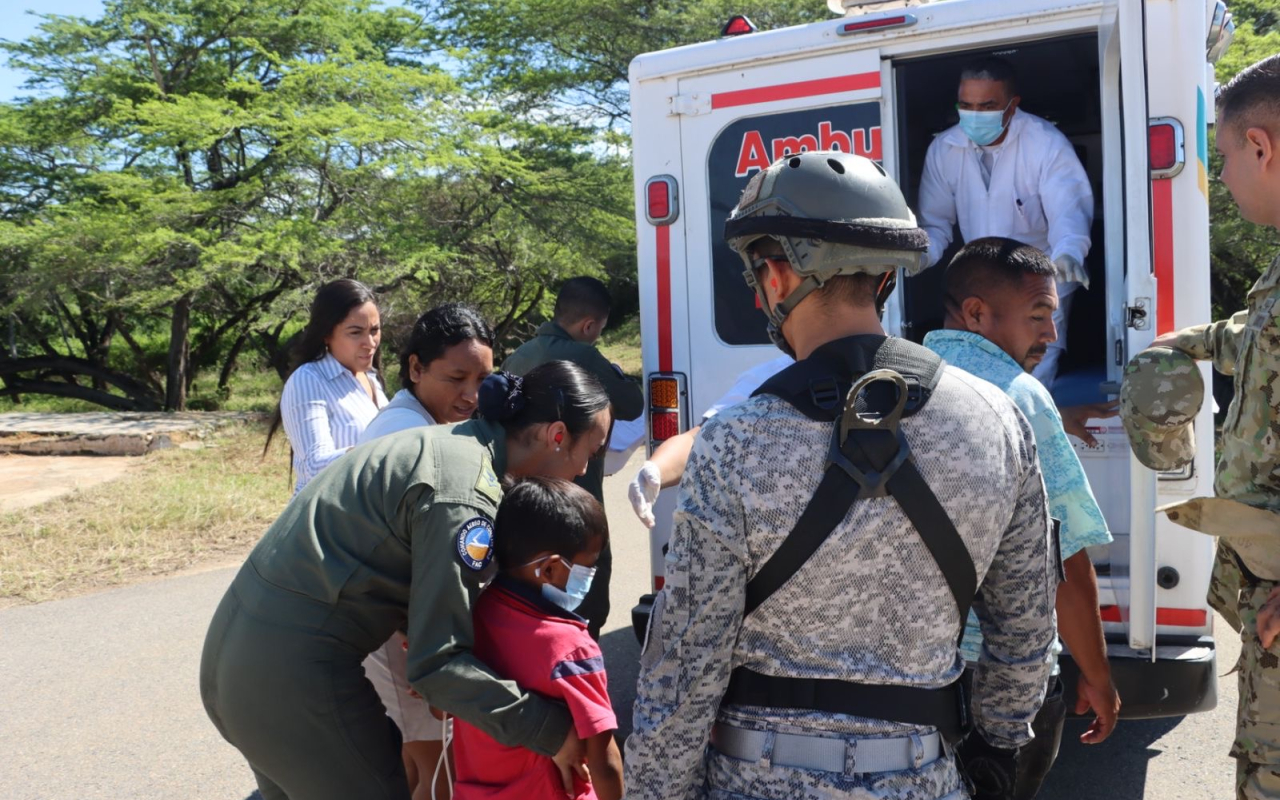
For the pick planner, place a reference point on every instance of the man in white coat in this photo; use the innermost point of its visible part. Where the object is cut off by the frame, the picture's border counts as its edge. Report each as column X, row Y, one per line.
column 1004, row 172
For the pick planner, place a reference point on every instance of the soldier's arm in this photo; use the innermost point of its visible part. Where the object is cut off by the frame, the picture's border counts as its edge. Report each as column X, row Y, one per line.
column 441, row 666
column 1217, row 341
column 684, row 666
column 1016, row 618
column 625, row 395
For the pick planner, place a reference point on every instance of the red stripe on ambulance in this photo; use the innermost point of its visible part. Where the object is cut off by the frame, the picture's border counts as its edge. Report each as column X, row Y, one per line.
column 1177, row 617
column 791, row 91
column 1162, row 251
column 664, row 298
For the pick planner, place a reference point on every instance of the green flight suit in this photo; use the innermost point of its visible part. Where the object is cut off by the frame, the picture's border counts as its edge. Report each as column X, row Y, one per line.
column 395, row 535
column 626, row 398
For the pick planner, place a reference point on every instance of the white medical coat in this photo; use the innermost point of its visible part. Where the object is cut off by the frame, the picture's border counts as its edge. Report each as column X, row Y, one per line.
column 1039, row 193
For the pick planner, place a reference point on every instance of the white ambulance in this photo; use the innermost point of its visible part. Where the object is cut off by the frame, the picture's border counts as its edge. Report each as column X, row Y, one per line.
column 1130, row 84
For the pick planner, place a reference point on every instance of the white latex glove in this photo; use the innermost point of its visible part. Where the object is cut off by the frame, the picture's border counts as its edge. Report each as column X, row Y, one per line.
column 1071, row 271
column 643, row 491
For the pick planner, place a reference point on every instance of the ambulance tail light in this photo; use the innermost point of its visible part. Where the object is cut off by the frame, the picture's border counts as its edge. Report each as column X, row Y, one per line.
column 1165, row 146
column 668, row 407
column 662, row 202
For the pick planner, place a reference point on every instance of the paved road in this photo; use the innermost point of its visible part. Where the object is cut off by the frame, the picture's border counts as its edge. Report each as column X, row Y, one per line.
column 98, row 700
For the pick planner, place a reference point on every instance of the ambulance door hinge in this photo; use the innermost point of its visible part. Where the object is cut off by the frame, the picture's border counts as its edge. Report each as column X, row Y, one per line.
column 688, row 105
column 1136, row 316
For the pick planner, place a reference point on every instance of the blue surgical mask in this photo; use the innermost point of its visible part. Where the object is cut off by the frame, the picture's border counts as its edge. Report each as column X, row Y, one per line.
column 575, row 589
column 983, row 127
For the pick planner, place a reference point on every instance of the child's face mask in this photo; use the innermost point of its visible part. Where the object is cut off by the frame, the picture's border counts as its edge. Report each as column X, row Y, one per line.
column 575, row 589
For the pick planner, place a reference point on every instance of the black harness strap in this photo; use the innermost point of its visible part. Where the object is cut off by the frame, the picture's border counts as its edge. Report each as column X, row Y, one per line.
column 869, row 457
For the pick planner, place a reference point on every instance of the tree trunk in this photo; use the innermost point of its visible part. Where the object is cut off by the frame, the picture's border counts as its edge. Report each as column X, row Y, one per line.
column 229, row 365
column 175, row 396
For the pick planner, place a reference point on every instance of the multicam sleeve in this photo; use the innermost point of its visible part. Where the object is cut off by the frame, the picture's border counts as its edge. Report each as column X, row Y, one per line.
column 686, row 659
column 1016, row 617
column 1218, row 341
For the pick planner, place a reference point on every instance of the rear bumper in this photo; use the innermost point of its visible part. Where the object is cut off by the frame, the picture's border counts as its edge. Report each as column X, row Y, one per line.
column 1183, row 679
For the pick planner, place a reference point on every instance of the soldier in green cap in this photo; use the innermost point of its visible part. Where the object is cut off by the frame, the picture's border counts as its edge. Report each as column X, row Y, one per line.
column 396, row 535
column 581, row 314
column 1247, row 346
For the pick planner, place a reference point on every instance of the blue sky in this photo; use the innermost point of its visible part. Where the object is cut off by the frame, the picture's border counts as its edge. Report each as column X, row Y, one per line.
column 17, row 27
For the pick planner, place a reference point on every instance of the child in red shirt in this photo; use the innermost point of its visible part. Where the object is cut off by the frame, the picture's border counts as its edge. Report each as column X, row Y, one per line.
column 547, row 537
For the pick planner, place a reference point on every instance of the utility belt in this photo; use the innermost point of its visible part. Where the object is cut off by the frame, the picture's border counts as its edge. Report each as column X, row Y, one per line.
column 845, row 755
column 945, row 708
column 868, row 457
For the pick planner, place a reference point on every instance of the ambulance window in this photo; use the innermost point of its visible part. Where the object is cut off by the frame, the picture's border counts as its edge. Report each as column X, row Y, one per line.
column 742, row 149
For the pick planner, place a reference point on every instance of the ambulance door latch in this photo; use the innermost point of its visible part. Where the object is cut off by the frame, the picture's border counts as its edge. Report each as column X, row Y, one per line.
column 688, row 105
column 1135, row 316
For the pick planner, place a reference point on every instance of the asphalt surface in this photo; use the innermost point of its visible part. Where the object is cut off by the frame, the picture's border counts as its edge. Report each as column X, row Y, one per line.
column 99, row 699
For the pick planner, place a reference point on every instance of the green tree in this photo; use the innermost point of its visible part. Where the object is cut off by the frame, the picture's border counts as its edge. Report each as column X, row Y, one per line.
column 191, row 161
column 1239, row 250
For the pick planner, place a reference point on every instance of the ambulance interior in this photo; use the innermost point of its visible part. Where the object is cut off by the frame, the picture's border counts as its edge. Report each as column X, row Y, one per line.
column 1058, row 79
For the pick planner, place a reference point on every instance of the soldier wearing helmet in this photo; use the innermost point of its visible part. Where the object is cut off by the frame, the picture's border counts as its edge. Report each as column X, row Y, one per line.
column 831, row 533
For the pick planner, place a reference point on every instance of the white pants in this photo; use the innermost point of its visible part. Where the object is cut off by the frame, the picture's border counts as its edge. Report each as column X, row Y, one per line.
column 1047, row 370
column 385, row 668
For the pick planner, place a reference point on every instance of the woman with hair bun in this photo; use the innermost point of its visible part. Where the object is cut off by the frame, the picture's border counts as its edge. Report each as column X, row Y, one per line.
column 442, row 366
column 397, row 535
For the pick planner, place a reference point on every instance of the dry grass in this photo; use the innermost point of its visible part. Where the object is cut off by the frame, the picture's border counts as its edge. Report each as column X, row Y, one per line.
column 178, row 510
column 621, row 344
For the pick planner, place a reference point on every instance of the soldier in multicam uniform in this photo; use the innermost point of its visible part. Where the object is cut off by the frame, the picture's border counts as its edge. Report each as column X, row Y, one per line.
column 870, row 611
column 1248, row 346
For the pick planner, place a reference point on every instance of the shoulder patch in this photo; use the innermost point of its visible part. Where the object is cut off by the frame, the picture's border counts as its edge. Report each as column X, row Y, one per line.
column 474, row 543
column 487, row 484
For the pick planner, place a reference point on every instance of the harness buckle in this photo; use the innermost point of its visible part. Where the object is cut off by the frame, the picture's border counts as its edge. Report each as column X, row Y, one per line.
column 825, row 393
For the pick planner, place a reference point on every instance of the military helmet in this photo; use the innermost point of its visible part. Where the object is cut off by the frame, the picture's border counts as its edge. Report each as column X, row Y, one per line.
column 833, row 213
column 1160, row 396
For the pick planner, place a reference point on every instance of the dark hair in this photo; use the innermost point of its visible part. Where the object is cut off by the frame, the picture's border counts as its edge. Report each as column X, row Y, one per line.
column 986, row 263
column 557, row 391
column 439, row 329
column 1252, row 98
column 582, row 298
column 331, row 305
column 538, row 515
column 991, row 68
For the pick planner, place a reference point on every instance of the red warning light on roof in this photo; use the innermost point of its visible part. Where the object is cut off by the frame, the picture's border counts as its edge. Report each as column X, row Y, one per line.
column 737, row 26
column 899, row 21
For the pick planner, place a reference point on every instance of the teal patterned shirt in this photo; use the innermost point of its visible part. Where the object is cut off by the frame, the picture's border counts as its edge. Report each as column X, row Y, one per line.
column 1070, row 499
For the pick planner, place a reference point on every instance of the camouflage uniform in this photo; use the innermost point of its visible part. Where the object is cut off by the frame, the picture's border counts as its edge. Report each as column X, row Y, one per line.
column 1247, row 346
column 870, row 606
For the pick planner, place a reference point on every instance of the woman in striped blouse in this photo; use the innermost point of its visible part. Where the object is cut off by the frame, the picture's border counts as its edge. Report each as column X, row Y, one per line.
column 334, row 391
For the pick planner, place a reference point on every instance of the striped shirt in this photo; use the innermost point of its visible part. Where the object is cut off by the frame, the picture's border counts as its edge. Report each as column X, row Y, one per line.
column 325, row 409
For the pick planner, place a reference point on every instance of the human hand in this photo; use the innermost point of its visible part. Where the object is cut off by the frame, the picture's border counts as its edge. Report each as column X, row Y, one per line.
column 643, row 491
column 1071, row 271
column 1169, row 340
column 1075, row 417
column 1269, row 619
column 1105, row 704
column 571, row 759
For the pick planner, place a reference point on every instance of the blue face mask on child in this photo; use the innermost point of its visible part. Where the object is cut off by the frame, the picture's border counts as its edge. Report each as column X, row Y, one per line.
column 574, row 591
column 983, row 127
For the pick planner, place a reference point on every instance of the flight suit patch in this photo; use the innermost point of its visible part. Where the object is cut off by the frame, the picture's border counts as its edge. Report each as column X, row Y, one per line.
column 474, row 543
column 487, row 484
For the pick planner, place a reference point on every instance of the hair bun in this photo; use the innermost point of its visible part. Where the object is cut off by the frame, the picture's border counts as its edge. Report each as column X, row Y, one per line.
column 501, row 396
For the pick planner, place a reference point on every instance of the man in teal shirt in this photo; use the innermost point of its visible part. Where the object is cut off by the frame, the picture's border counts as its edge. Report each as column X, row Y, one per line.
column 1000, row 298
column 581, row 313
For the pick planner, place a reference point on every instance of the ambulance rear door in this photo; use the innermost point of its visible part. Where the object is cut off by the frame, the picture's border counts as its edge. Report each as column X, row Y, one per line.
column 734, row 123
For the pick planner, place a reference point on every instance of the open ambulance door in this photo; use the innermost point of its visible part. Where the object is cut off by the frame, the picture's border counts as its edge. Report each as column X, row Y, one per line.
column 1122, row 56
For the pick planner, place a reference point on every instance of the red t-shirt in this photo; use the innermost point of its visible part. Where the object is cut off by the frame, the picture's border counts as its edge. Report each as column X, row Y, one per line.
column 545, row 649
